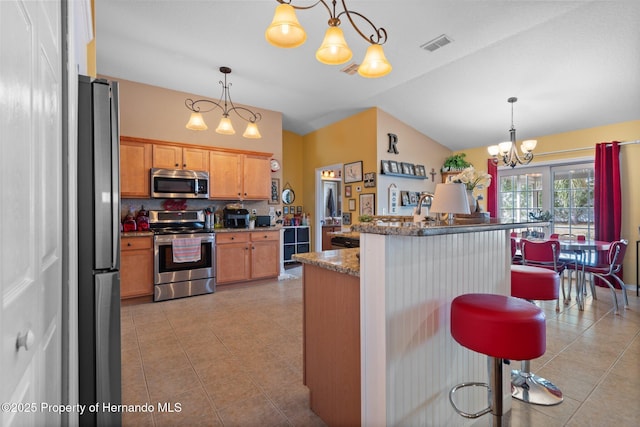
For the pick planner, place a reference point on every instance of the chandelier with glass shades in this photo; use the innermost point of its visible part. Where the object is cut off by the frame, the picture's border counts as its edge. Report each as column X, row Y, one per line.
column 225, row 127
column 507, row 150
column 285, row 31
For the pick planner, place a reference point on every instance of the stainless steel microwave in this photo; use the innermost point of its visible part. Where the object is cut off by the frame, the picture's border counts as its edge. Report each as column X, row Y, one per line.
column 179, row 184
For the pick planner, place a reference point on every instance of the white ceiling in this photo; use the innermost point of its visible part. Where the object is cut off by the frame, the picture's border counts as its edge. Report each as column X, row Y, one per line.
column 572, row 64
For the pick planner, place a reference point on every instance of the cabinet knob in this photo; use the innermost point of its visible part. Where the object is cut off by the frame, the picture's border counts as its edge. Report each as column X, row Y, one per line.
column 233, row 238
column 177, row 165
column 184, row 165
column 25, row 340
column 128, row 243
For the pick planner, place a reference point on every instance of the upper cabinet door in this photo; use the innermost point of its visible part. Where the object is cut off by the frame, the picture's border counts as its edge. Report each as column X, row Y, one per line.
column 225, row 175
column 135, row 163
column 195, row 159
column 167, row 157
column 257, row 178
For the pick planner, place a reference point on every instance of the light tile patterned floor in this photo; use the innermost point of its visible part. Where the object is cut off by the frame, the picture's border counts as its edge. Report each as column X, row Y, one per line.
column 234, row 358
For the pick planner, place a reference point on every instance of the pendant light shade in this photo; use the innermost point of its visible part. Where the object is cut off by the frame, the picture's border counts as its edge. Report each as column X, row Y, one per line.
column 225, row 127
column 252, row 131
column 285, row 31
column 375, row 64
column 196, row 122
column 334, row 49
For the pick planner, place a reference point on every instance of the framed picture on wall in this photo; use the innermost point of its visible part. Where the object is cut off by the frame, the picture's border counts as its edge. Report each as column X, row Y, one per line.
column 346, row 218
column 369, row 179
column 347, row 191
column 393, row 166
column 285, row 210
column 275, row 192
column 352, row 204
column 368, row 204
column 385, row 167
column 353, row 172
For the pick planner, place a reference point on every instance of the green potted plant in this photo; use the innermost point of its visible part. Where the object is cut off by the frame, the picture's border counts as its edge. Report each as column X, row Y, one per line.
column 455, row 163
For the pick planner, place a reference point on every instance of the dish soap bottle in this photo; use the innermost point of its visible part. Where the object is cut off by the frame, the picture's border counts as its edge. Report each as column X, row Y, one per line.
column 129, row 223
column 142, row 220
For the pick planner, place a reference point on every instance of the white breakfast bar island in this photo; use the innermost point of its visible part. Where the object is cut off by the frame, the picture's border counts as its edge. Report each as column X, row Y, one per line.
column 377, row 343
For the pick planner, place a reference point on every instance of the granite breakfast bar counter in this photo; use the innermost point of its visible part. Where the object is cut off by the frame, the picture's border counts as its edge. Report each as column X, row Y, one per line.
column 406, row 358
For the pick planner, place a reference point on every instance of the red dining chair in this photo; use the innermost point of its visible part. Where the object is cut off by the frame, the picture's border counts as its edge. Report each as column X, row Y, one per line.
column 516, row 258
column 571, row 261
column 545, row 254
column 607, row 271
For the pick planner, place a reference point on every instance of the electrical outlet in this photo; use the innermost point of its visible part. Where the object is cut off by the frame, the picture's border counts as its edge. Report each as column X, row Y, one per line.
column 253, row 211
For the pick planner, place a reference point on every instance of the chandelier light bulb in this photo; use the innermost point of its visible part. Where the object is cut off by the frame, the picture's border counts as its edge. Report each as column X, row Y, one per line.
column 334, row 49
column 493, row 150
column 225, row 127
column 375, row 64
column 252, row 131
column 196, row 122
column 285, row 31
column 504, row 147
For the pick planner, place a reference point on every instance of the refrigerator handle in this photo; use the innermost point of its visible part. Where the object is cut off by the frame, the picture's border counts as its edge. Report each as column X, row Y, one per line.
column 115, row 175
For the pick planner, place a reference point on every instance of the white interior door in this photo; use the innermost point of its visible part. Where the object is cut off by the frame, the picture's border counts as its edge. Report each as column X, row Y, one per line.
column 30, row 210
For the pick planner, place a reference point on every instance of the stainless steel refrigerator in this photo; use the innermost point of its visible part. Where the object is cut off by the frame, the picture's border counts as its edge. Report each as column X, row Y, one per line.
column 99, row 250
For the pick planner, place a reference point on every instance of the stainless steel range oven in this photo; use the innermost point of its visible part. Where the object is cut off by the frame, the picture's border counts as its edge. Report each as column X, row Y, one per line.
column 174, row 275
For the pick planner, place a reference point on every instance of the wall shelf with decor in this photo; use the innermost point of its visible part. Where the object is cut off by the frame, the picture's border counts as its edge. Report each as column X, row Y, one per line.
column 402, row 169
column 402, row 175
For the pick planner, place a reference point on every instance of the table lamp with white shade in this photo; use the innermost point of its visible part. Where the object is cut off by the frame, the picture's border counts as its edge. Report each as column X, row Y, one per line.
column 450, row 198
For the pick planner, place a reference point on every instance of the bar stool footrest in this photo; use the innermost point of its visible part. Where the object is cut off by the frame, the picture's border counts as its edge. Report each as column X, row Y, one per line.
column 467, row 414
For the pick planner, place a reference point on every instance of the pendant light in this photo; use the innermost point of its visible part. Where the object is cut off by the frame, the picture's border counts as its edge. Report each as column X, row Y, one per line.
column 286, row 32
column 225, row 127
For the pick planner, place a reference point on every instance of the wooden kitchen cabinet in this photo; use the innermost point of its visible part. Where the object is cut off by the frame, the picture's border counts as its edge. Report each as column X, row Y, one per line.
column 176, row 157
column 265, row 254
column 326, row 237
column 136, row 266
column 244, row 256
column 135, row 163
column 256, row 177
column 239, row 176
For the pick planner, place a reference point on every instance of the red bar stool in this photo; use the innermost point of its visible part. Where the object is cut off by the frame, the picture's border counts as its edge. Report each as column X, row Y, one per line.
column 502, row 327
column 534, row 283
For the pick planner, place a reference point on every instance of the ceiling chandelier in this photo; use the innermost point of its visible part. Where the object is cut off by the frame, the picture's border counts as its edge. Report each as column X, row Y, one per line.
column 507, row 150
column 196, row 122
column 285, row 31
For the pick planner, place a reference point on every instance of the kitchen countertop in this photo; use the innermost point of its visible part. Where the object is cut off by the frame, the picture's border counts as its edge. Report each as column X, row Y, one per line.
column 215, row 230
column 433, row 229
column 136, row 234
column 349, row 234
column 342, row 261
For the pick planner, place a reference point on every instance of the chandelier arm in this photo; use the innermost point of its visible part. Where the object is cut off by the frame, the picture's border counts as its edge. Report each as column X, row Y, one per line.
column 380, row 36
column 253, row 117
column 305, row 7
column 195, row 105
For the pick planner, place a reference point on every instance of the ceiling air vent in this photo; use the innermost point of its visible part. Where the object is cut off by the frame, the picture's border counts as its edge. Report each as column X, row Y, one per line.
column 436, row 43
column 351, row 69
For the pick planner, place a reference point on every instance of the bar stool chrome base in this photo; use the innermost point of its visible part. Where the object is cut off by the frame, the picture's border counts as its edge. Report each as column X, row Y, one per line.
column 531, row 388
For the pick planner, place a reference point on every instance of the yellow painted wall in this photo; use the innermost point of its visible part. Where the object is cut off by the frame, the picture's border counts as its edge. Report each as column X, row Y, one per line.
column 346, row 141
column 292, row 164
column 588, row 138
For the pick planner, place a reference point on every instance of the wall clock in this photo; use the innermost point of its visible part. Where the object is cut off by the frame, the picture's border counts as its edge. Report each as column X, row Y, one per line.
column 275, row 165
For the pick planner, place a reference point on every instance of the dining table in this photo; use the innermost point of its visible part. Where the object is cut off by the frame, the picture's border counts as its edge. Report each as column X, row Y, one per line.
column 579, row 250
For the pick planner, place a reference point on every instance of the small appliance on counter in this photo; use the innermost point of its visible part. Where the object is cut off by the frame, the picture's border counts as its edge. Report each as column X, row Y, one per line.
column 263, row 221
column 236, row 218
